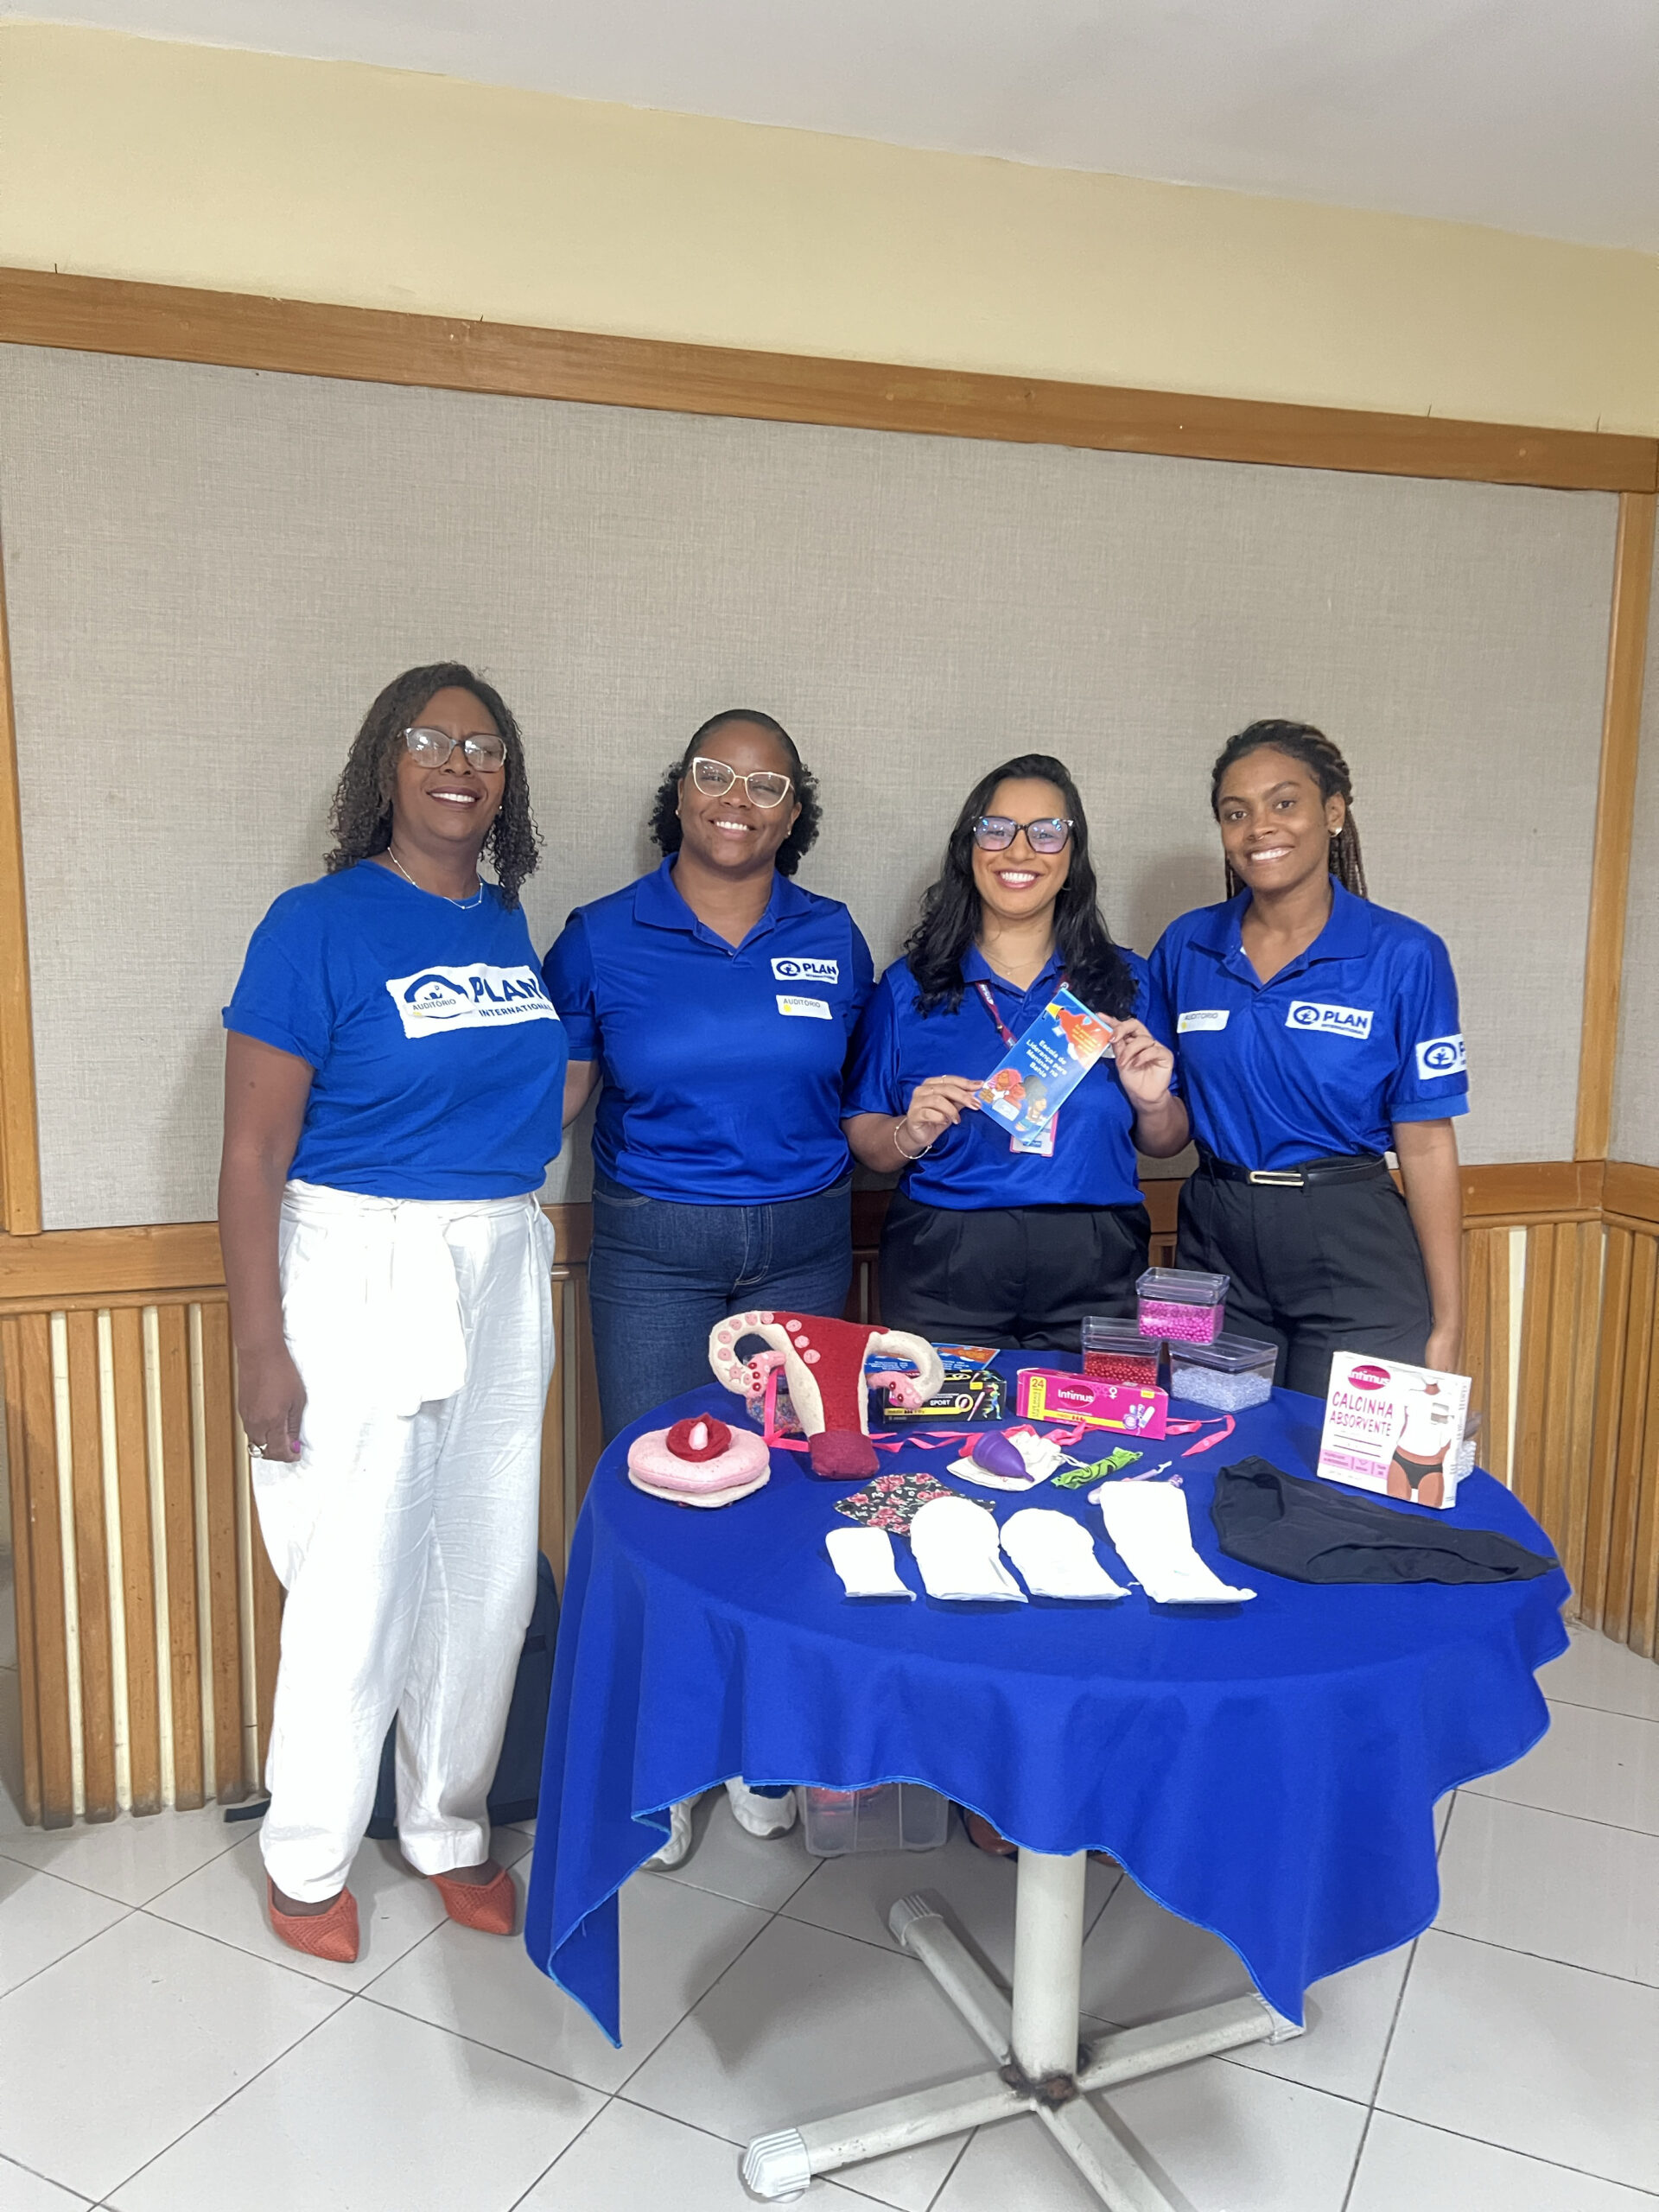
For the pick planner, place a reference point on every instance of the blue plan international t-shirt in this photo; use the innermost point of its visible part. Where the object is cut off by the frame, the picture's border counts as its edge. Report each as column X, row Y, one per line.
column 439, row 1060
column 1356, row 1033
column 722, row 1064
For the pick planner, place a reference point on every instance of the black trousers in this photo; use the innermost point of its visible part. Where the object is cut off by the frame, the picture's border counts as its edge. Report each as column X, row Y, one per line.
column 1015, row 1276
column 1332, row 1266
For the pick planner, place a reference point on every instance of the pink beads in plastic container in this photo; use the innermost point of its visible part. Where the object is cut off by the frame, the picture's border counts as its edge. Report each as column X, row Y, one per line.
column 1182, row 1304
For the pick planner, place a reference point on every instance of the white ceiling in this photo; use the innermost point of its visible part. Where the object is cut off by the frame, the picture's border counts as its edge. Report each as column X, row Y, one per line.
column 1537, row 116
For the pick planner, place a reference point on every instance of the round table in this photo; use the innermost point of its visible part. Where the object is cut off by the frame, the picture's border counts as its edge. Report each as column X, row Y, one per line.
column 1269, row 1771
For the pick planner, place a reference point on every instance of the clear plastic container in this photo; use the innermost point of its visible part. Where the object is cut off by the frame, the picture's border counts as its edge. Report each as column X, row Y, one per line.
column 1229, row 1374
column 1462, row 1460
column 894, row 1816
column 1182, row 1304
column 1116, row 1352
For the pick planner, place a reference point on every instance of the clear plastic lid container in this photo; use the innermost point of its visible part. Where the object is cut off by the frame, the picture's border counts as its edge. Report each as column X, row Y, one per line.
column 1111, row 1332
column 1182, row 1287
column 1228, row 1354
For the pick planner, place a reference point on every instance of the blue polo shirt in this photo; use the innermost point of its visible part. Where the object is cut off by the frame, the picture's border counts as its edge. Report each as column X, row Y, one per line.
column 971, row 1167
column 1358, row 1033
column 722, row 1065
column 438, row 1059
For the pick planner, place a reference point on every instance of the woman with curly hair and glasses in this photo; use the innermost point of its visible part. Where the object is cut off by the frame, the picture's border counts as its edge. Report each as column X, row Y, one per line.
column 991, row 1237
column 395, row 1074
column 714, row 1000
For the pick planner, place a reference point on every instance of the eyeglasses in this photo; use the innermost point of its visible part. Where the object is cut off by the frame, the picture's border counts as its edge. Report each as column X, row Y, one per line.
column 763, row 787
column 432, row 747
column 995, row 833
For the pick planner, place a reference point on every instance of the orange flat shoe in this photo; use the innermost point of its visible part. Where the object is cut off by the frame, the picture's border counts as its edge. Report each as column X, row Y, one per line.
column 331, row 1935
column 490, row 1907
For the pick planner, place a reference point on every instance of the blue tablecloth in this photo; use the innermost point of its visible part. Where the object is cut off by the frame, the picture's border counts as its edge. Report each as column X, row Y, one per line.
column 1267, row 1770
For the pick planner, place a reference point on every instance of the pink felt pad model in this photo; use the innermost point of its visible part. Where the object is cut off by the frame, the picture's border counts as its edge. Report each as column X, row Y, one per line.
column 698, row 1462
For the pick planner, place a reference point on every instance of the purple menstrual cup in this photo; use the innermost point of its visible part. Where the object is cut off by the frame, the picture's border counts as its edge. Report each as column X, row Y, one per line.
column 996, row 1455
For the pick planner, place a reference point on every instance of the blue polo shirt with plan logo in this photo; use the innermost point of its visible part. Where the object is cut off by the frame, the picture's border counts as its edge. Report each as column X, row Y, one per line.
column 721, row 1064
column 1356, row 1033
column 438, row 1059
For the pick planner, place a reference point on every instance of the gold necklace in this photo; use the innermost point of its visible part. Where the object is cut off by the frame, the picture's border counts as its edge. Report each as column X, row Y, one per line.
column 465, row 905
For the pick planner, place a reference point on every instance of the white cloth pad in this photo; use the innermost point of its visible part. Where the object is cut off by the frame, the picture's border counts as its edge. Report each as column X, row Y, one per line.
column 957, row 1549
column 1055, row 1555
column 1149, row 1524
column 863, row 1559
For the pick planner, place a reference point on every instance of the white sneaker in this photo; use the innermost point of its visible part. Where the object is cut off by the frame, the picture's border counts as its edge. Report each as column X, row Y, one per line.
column 678, row 1846
column 757, row 1816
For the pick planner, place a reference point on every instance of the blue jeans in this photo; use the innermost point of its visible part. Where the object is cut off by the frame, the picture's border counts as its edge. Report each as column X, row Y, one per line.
column 663, row 1273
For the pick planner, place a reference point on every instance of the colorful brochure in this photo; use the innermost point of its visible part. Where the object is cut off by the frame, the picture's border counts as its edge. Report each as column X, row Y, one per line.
column 1394, row 1429
column 1040, row 1070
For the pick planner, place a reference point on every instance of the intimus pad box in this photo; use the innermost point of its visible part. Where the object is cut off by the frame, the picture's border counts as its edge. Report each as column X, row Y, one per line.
column 1394, row 1429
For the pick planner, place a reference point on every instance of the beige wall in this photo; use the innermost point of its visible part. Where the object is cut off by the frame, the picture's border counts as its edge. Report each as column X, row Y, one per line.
column 211, row 572
column 329, row 181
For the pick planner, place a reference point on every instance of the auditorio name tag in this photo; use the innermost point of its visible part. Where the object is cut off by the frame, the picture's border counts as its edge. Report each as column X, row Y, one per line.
column 1394, row 1429
column 1041, row 1069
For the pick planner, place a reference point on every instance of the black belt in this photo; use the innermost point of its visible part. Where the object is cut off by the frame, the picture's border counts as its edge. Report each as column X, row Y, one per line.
column 1353, row 1167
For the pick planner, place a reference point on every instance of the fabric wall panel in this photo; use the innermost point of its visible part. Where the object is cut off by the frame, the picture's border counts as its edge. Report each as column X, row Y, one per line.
column 1636, row 1088
column 212, row 571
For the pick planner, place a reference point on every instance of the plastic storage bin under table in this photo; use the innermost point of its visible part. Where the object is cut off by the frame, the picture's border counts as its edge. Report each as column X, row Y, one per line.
column 1182, row 1304
column 894, row 1816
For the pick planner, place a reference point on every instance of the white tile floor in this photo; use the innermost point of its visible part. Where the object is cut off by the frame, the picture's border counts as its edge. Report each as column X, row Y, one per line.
column 159, row 2052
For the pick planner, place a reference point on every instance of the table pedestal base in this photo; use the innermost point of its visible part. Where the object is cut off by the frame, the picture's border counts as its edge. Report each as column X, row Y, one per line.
column 1033, row 2041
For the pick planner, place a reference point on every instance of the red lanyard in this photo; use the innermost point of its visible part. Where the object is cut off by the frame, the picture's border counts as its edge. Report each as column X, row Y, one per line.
column 1046, row 1149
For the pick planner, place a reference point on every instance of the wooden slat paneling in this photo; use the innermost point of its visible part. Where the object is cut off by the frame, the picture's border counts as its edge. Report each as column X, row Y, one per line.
column 56, row 1790
column 168, row 322
column 179, row 1491
column 224, row 1566
column 267, row 1648
column 1535, row 1309
column 22, row 1572
column 1634, row 1392
column 137, row 1559
column 91, row 1569
column 1592, row 1582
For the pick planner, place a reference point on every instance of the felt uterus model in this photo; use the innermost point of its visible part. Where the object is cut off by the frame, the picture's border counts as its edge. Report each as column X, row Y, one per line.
column 823, row 1362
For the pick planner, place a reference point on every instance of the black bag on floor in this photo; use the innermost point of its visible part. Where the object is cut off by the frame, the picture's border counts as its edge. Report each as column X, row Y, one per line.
column 517, row 1783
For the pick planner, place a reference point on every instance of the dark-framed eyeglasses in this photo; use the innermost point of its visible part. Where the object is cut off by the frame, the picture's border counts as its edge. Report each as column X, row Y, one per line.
column 432, row 747
column 761, row 787
column 995, row 833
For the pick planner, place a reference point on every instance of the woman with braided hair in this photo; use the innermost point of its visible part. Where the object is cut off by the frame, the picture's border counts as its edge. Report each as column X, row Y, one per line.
column 1313, row 1033
column 394, row 1078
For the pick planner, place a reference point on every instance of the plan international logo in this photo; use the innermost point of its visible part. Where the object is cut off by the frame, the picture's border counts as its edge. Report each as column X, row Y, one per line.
column 1336, row 1020
column 807, row 971
column 437, row 999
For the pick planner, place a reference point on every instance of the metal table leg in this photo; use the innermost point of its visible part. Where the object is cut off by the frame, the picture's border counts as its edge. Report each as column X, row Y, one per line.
column 1032, row 2042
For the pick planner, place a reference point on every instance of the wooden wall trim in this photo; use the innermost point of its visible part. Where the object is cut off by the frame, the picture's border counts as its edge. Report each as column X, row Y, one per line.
column 171, row 323
column 20, row 1150
column 1631, row 1194
column 1610, row 868
column 67, row 1267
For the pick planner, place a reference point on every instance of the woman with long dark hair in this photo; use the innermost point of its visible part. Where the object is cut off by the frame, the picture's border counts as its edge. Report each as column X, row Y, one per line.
column 393, row 1079
column 1314, row 1032
column 987, row 1238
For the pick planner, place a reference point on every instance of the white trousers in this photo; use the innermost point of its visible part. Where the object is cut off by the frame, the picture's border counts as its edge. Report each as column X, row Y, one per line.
column 406, row 1534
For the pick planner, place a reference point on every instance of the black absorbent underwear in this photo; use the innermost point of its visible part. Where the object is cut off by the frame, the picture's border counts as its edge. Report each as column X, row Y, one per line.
column 1318, row 1532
